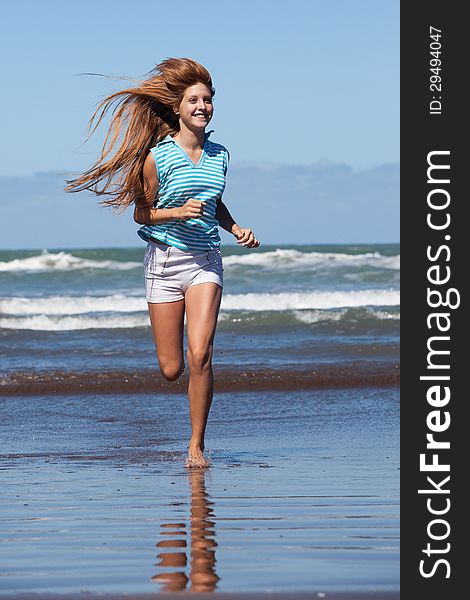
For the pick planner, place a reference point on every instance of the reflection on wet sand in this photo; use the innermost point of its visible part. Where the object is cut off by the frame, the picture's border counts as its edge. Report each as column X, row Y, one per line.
column 172, row 562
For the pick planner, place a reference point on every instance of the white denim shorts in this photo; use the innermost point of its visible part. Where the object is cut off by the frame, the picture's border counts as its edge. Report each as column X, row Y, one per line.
column 169, row 271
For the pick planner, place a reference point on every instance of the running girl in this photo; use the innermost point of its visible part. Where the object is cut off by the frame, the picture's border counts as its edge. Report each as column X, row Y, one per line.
column 174, row 175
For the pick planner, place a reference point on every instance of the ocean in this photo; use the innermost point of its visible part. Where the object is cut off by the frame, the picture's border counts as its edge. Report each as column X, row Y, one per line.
column 284, row 308
column 303, row 489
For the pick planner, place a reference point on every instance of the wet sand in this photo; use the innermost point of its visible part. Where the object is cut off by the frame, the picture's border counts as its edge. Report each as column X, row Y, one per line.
column 331, row 376
column 301, row 499
column 220, row 596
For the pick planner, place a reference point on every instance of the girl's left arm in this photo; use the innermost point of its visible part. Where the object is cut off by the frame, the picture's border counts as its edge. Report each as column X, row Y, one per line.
column 244, row 235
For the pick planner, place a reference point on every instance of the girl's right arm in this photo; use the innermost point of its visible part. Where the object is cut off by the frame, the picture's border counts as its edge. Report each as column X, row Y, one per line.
column 146, row 214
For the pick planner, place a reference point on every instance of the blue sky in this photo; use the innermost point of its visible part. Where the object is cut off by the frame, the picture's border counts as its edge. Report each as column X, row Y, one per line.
column 296, row 81
column 309, row 83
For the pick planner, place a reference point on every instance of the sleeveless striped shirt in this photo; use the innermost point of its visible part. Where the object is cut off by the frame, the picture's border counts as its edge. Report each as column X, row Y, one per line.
column 179, row 180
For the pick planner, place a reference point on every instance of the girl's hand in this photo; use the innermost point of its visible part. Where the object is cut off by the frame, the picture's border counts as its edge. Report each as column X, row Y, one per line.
column 245, row 237
column 191, row 209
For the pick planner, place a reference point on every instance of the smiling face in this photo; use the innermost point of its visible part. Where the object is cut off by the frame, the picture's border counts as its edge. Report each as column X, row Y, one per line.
column 196, row 108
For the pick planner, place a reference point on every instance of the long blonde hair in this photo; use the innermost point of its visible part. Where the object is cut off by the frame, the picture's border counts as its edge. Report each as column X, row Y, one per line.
column 146, row 115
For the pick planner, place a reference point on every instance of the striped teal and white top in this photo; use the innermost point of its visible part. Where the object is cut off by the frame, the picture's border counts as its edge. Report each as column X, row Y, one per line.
column 179, row 180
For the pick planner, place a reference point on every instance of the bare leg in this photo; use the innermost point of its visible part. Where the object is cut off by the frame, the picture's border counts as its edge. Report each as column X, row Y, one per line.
column 202, row 308
column 167, row 319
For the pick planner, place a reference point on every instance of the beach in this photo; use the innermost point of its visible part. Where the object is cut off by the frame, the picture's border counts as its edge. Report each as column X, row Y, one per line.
column 301, row 499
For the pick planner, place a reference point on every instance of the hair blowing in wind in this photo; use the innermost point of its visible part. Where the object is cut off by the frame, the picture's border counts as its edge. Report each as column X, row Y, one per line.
column 142, row 116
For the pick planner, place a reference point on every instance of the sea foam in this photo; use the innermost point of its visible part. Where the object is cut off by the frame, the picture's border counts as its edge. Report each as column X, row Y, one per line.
column 282, row 258
column 278, row 259
column 71, row 305
column 62, row 261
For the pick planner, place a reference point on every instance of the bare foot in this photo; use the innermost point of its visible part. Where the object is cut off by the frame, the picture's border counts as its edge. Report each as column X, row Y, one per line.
column 195, row 457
